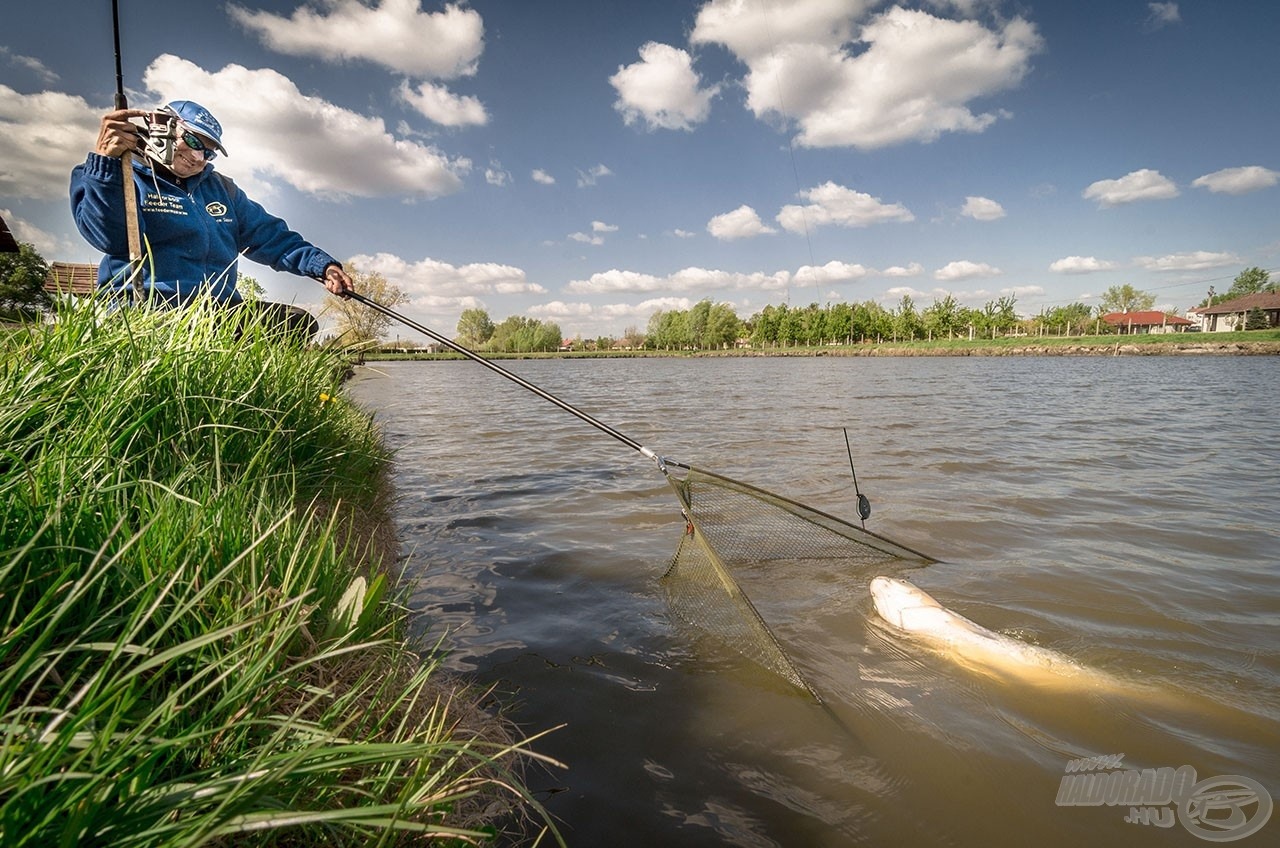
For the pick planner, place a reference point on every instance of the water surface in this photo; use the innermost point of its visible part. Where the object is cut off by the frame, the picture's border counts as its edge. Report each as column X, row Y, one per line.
column 1122, row 511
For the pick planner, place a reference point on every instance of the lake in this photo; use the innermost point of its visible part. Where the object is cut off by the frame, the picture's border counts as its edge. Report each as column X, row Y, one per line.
column 1122, row 511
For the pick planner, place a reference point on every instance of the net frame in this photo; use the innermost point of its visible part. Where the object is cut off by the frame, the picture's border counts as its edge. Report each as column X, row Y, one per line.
column 730, row 526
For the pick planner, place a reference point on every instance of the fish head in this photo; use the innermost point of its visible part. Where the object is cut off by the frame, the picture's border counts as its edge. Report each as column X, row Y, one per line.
column 903, row 604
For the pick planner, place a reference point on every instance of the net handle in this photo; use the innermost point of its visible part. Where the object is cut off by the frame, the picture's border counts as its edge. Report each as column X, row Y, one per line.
column 515, row 378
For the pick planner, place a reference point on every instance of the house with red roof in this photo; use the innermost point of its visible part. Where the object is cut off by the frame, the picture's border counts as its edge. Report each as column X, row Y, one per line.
column 1146, row 322
column 1230, row 314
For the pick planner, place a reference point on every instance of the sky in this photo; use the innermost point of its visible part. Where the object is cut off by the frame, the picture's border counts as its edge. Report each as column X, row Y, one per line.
column 589, row 162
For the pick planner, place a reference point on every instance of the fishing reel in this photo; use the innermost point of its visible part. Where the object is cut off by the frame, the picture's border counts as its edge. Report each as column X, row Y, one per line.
column 159, row 135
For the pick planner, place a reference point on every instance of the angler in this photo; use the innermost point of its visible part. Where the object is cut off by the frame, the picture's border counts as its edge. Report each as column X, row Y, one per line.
column 196, row 222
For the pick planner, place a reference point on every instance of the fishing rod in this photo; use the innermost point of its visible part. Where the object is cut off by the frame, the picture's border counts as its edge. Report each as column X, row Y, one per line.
column 662, row 462
column 132, row 227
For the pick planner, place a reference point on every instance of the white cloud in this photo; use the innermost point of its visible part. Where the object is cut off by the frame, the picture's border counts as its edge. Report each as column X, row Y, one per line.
column 1081, row 265
column 1162, row 14
column 691, row 280
column 541, row 176
column 645, row 308
column 834, row 204
column 602, row 227
column 754, row 30
column 558, row 309
column 438, row 104
column 45, row 136
column 586, row 238
column 1144, row 184
column 273, row 130
column 431, row 278
column 396, row 34
column 1238, row 180
column 982, row 209
column 683, row 234
column 914, row 269
column 495, row 175
column 1197, row 260
column 742, row 222
column 963, row 269
column 913, row 81
column 35, row 66
column 46, row 244
column 662, row 90
column 592, row 175
column 829, row 274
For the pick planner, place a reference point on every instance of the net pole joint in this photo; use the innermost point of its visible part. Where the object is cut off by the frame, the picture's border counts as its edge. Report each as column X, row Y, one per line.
column 660, row 461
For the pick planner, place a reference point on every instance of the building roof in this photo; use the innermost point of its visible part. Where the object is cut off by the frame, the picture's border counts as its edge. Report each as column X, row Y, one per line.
column 1262, row 300
column 8, row 244
column 71, row 278
column 1144, row 319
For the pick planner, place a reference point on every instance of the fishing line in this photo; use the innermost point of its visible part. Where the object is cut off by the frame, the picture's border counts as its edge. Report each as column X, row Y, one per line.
column 864, row 505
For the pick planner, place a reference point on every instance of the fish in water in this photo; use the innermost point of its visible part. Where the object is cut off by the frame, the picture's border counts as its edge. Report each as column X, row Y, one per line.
column 910, row 608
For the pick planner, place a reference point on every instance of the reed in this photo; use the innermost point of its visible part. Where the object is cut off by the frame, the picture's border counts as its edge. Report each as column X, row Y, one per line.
column 197, row 640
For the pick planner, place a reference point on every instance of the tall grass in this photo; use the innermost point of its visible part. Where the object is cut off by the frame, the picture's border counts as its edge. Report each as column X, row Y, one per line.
column 197, row 645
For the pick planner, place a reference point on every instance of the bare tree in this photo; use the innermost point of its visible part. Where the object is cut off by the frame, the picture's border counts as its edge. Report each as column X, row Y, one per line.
column 357, row 324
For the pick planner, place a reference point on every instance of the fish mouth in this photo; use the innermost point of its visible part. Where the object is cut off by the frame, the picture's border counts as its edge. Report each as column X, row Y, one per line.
column 881, row 590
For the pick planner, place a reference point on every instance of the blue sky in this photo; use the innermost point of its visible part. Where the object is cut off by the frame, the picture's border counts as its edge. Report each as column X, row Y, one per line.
column 591, row 162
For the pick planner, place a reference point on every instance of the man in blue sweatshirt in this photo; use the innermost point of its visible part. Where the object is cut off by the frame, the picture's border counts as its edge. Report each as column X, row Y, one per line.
column 194, row 222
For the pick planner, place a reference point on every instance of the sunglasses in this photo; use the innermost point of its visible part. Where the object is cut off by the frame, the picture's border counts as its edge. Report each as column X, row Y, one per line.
column 193, row 141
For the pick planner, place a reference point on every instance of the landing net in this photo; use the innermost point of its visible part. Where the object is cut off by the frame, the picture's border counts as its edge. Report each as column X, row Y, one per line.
column 733, row 527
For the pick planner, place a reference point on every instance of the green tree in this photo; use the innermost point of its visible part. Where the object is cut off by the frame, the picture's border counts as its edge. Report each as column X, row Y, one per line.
column 723, row 326
column 357, row 324
column 813, row 323
column 879, row 321
column 943, row 318
column 768, row 322
column 1125, row 298
column 250, row 289
column 1256, row 319
column 996, row 317
column 697, row 324
column 1250, row 281
column 791, row 330
column 669, row 329
column 906, row 323
column 840, row 323
column 1068, row 320
column 22, row 276
column 518, row 334
column 474, row 327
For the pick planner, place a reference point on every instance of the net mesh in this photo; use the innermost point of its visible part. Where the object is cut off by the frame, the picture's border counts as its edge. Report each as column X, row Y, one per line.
column 734, row 527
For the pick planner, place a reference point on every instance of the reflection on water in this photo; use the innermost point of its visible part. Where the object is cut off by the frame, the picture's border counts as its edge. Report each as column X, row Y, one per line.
column 1120, row 511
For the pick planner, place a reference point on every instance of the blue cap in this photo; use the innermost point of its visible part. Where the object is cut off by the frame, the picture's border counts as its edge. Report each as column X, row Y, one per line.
column 199, row 119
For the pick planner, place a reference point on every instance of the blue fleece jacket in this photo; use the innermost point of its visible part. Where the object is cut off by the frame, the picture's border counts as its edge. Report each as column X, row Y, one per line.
column 192, row 234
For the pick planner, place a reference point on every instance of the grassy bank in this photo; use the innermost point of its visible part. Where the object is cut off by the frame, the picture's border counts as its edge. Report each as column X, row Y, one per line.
column 1251, row 343
column 200, row 643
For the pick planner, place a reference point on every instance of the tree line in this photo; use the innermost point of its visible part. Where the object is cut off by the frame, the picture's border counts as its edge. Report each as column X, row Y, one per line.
column 704, row 326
